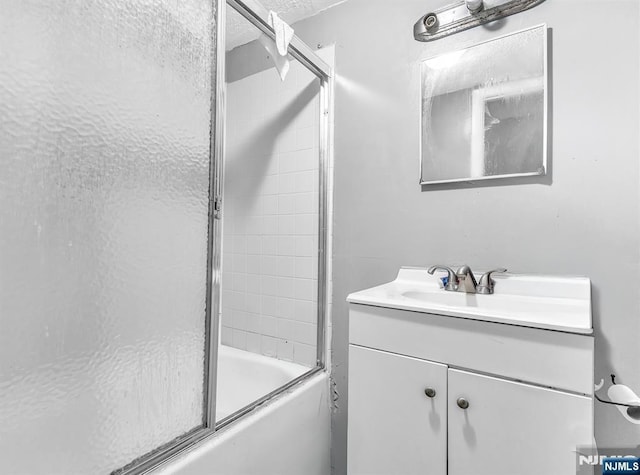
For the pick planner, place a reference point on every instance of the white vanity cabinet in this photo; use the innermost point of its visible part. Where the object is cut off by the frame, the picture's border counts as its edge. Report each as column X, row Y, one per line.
column 437, row 394
column 513, row 428
column 403, row 430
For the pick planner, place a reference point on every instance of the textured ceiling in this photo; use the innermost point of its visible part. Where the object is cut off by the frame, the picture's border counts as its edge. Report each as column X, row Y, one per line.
column 240, row 31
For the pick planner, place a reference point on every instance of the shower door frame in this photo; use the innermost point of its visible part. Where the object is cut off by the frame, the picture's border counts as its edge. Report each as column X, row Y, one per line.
column 256, row 14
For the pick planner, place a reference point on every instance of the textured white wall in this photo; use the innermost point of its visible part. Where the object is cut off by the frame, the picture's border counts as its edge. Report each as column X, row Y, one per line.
column 583, row 219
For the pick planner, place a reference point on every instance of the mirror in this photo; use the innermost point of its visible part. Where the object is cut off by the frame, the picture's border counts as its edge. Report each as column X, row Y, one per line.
column 484, row 110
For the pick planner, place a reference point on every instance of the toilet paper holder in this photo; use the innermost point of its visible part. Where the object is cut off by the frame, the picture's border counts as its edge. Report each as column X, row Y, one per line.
column 632, row 409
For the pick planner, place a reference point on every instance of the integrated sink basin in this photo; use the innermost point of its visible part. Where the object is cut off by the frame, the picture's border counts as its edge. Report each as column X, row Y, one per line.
column 538, row 301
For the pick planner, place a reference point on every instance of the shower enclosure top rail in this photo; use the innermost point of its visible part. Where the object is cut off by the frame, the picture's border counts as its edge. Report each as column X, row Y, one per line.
column 297, row 48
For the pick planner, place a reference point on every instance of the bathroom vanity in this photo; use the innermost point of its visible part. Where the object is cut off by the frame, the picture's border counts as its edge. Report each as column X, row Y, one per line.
column 454, row 383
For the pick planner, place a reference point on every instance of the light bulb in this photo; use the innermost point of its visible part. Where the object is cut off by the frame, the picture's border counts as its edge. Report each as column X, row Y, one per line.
column 474, row 5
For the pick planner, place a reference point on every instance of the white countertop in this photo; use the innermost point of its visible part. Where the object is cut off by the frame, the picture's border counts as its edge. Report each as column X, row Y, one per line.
column 538, row 301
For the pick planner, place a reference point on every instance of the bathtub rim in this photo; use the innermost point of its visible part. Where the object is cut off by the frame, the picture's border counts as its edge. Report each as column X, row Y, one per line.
column 233, row 398
column 201, row 436
column 264, row 400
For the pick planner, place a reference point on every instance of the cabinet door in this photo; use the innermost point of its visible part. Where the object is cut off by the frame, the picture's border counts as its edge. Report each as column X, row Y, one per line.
column 513, row 428
column 394, row 427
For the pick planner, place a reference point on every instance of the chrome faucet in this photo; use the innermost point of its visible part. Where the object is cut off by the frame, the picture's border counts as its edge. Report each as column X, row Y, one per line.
column 468, row 279
column 464, row 281
column 485, row 286
column 452, row 280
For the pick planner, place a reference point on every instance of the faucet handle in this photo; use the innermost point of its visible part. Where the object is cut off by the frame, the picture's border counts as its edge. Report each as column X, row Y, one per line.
column 485, row 286
column 452, row 283
column 463, row 270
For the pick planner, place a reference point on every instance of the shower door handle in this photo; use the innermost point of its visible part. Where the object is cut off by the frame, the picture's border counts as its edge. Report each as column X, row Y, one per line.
column 217, row 207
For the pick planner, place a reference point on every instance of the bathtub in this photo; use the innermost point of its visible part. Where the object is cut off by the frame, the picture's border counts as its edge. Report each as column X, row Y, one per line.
column 245, row 377
column 288, row 435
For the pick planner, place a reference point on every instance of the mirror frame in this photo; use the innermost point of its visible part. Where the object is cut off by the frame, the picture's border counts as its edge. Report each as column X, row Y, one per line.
column 477, row 127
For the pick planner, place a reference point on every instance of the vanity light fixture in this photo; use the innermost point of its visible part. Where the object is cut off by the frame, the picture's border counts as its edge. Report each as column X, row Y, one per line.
column 466, row 14
column 474, row 6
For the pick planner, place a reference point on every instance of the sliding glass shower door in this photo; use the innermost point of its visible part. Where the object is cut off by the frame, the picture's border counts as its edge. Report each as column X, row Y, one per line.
column 104, row 199
column 273, row 255
column 111, row 230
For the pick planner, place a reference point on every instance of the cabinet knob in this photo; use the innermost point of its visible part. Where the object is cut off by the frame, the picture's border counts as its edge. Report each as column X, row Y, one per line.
column 462, row 403
column 430, row 392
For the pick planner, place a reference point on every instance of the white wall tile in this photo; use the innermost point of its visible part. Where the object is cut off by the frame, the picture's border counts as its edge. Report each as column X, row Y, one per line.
column 286, row 287
column 285, row 329
column 286, row 266
column 309, row 116
column 269, row 326
column 304, row 354
column 306, row 246
column 269, row 204
column 270, row 245
column 239, row 244
column 253, row 264
column 227, row 335
column 287, row 139
column 239, row 282
column 227, row 259
column 272, row 163
column 306, row 203
column 253, row 283
column 269, row 305
column 299, row 160
column 253, row 303
column 306, row 289
column 253, row 225
column 253, row 342
column 305, row 333
column 287, row 183
column 287, row 245
column 269, row 266
column 285, row 350
column 306, row 267
column 253, row 322
column 269, row 285
column 237, row 300
column 305, row 311
column 288, row 162
column 239, row 263
column 306, row 181
column 269, row 185
column 286, row 308
column 239, row 319
column 308, row 138
column 306, row 224
column 269, row 346
column 286, row 224
column 240, row 339
column 286, row 204
column 269, row 224
column 270, row 221
column 254, row 244
column 240, row 225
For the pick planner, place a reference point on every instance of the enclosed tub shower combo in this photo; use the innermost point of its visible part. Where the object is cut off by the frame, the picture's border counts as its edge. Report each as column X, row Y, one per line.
column 163, row 239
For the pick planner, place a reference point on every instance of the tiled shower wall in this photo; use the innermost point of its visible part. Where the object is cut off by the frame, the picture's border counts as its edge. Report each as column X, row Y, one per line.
column 270, row 257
